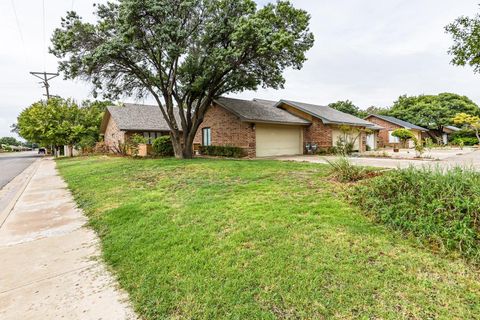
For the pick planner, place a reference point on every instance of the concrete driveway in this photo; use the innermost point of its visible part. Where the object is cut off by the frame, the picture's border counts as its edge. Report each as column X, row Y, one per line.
column 467, row 160
column 50, row 262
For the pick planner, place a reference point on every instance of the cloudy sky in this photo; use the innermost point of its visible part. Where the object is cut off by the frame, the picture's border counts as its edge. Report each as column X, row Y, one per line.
column 368, row 51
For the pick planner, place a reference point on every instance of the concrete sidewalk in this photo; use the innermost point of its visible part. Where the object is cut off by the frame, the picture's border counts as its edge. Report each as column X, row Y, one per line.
column 50, row 266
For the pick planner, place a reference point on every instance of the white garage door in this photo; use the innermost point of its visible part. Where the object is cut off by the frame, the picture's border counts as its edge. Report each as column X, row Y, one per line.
column 278, row 140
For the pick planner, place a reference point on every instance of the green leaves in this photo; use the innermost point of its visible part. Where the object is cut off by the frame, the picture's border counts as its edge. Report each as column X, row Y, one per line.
column 465, row 50
column 432, row 111
column 60, row 122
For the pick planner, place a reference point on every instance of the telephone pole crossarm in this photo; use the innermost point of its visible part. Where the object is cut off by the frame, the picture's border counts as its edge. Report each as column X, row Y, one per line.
column 45, row 77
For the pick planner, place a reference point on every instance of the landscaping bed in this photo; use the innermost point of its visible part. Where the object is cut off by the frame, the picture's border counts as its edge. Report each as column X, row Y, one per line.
column 226, row 239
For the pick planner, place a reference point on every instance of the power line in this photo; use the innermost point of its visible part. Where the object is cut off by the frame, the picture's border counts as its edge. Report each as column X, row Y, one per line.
column 17, row 21
column 44, row 38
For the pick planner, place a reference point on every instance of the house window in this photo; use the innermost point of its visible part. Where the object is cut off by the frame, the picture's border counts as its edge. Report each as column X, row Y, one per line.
column 206, row 137
column 150, row 136
column 392, row 139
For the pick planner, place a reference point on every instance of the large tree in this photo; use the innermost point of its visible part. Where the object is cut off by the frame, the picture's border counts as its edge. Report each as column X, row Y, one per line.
column 347, row 106
column 432, row 111
column 465, row 50
column 183, row 53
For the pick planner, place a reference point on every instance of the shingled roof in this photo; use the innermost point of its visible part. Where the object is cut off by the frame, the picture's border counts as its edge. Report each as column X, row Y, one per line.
column 326, row 114
column 401, row 123
column 257, row 110
column 138, row 117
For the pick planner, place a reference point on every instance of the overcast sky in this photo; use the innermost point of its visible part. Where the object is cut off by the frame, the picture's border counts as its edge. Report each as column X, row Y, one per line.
column 368, row 51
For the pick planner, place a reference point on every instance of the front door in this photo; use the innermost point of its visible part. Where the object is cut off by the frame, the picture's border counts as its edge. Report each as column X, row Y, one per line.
column 371, row 141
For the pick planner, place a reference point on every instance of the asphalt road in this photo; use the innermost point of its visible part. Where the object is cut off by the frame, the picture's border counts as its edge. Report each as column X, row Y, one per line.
column 12, row 164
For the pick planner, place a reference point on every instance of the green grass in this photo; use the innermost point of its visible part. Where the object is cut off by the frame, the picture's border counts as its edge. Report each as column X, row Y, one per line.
column 220, row 239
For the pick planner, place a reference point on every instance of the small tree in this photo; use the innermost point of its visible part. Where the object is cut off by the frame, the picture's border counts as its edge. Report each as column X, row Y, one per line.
column 403, row 135
column 472, row 122
column 347, row 140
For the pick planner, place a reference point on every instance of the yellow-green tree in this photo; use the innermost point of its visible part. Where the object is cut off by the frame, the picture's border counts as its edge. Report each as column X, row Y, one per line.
column 471, row 121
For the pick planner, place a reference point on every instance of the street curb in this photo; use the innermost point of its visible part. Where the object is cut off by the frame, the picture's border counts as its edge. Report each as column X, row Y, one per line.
column 29, row 172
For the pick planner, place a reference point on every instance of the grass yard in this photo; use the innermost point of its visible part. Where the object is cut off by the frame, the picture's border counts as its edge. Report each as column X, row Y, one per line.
column 222, row 239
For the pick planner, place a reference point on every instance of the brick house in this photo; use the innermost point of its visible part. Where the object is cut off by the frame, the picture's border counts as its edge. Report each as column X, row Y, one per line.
column 268, row 128
column 261, row 127
column 121, row 122
column 390, row 124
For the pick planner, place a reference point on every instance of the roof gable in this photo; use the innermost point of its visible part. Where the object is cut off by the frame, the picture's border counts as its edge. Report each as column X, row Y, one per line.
column 401, row 123
column 326, row 114
column 139, row 117
column 257, row 110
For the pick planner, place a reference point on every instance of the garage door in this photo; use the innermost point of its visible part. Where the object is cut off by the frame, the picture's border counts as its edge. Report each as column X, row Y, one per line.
column 274, row 140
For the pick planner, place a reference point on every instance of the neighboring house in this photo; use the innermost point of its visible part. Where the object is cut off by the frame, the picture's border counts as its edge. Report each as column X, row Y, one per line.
column 268, row 128
column 390, row 124
column 447, row 131
column 121, row 122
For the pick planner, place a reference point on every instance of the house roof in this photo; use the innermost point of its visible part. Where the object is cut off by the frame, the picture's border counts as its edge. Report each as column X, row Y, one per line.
column 452, row 128
column 326, row 114
column 401, row 123
column 138, row 117
column 257, row 110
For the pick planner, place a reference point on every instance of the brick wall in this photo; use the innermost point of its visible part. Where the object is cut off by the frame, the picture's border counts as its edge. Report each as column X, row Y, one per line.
column 113, row 135
column 317, row 133
column 227, row 129
column 383, row 134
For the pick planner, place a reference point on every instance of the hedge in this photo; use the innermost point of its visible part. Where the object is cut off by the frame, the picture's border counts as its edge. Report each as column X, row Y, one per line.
column 222, row 151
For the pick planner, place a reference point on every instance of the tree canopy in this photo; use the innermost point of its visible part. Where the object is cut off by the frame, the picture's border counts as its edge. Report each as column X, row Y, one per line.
column 60, row 122
column 183, row 53
column 347, row 106
column 470, row 121
column 465, row 50
column 432, row 111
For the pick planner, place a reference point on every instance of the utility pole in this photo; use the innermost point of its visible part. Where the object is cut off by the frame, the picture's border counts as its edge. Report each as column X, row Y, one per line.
column 45, row 77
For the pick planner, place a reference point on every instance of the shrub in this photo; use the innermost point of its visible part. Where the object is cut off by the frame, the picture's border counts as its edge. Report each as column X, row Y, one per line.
column 101, row 147
column 441, row 208
column 133, row 142
column 163, row 147
column 344, row 171
column 222, row 151
column 403, row 134
column 463, row 133
column 466, row 141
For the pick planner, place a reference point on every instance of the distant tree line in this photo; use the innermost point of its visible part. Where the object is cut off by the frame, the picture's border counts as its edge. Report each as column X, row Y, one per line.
column 429, row 111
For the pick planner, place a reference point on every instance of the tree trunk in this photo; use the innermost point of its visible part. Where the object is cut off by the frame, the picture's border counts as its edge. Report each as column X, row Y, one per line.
column 477, row 133
column 177, row 145
column 70, row 147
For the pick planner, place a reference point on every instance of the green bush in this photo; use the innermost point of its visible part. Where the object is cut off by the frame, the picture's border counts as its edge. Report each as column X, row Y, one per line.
column 441, row 208
column 463, row 133
column 466, row 141
column 222, row 151
column 344, row 171
column 162, row 146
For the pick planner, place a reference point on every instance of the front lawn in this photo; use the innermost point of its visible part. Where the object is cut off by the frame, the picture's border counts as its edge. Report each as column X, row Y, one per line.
column 221, row 239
